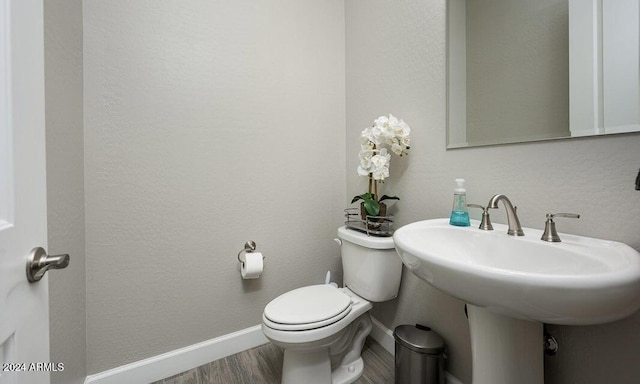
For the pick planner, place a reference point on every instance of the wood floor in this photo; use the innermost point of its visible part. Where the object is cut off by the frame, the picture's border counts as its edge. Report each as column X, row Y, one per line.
column 264, row 365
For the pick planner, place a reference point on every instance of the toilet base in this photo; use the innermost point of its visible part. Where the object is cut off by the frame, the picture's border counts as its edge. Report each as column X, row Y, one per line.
column 313, row 365
column 346, row 374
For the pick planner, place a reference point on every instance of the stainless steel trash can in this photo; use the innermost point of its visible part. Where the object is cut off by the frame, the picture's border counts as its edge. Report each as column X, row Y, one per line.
column 420, row 355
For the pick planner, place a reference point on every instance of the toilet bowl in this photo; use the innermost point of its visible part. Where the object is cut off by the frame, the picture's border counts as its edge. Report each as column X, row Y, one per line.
column 322, row 328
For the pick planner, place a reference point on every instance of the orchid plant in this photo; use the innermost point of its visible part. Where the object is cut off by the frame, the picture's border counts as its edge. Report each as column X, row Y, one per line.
column 387, row 133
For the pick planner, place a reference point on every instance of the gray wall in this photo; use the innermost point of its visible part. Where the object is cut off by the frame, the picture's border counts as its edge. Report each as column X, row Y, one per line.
column 208, row 126
column 65, row 185
column 207, row 123
column 399, row 67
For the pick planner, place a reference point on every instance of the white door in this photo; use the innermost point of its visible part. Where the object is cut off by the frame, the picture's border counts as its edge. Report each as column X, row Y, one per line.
column 24, row 307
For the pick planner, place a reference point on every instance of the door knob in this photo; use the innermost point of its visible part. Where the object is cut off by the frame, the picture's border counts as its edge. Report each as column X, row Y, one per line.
column 39, row 263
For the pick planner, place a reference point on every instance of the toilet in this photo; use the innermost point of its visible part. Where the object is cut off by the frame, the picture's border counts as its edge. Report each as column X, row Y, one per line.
column 322, row 328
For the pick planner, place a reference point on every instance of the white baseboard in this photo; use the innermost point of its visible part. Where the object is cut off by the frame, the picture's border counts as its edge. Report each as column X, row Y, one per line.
column 180, row 360
column 184, row 359
column 384, row 336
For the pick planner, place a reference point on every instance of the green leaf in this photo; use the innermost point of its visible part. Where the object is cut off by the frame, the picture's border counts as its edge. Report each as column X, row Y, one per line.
column 356, row 198
column 386, row 197
column 372, row 207
column 365, row 196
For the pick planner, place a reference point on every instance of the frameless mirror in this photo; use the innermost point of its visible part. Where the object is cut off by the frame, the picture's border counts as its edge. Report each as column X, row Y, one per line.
column 522, row 70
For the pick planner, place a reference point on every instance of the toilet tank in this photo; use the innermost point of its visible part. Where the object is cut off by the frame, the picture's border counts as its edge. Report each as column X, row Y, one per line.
column 371, row 267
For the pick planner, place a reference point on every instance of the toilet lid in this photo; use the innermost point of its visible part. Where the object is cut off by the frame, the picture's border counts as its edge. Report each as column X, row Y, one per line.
column 306, row 305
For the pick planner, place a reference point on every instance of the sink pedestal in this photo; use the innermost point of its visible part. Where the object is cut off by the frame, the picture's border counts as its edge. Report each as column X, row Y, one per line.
column 505, row 350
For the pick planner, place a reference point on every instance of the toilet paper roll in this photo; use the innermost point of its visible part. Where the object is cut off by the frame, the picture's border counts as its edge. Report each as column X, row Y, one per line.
column 253, row 265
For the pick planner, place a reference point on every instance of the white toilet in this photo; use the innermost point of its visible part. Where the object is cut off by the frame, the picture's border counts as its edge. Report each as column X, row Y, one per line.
column 323, row 328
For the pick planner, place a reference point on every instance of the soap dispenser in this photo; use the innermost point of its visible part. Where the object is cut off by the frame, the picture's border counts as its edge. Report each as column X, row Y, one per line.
column 459, row 211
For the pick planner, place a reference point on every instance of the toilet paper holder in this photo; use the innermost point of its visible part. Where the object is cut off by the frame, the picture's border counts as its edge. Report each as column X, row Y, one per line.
column 249, row 247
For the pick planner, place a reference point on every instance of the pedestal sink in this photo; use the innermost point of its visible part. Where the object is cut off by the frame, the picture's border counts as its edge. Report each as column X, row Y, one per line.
column 513, row 285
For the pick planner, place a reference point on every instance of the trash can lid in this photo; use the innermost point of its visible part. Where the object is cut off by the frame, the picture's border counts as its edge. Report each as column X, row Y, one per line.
column 419, row 338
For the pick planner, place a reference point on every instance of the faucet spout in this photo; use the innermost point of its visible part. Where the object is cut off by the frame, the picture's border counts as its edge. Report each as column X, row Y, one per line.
column 515, row 229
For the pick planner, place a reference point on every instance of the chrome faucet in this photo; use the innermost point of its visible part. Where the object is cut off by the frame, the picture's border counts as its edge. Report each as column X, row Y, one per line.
column 515, row 229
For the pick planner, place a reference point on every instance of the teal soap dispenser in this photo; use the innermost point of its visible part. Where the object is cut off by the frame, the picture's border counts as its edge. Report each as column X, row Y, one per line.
column 460, row 212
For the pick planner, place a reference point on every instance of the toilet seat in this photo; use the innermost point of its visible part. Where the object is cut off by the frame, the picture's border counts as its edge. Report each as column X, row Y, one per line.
column 306, row 308
column 305, row 326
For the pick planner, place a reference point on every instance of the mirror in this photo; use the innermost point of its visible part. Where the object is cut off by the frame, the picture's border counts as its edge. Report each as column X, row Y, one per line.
column 522, row 70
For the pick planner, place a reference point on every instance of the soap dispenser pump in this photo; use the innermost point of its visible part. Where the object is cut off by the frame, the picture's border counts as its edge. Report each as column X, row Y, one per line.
column 459, row 211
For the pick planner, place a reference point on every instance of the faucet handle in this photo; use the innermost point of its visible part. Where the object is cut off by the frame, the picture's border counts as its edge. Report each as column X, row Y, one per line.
column 550, row 234
column 486, row 220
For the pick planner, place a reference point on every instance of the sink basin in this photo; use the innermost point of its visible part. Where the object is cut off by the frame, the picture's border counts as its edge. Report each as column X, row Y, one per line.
column 580, row 280
column 513, row 285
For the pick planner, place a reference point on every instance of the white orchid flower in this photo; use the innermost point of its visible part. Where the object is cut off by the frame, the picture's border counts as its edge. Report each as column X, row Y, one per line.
column 393, row 121
column 366, row 145
column 381, row 121
column 363, row 171
column 387, row 131
column 397, row 148
column 371, row 135
column 402, row 129
column 365, row 158
column 380, row 164
column 380, row 173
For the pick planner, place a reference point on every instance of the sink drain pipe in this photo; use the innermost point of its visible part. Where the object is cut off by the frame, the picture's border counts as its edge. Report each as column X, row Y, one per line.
column 551, row 345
